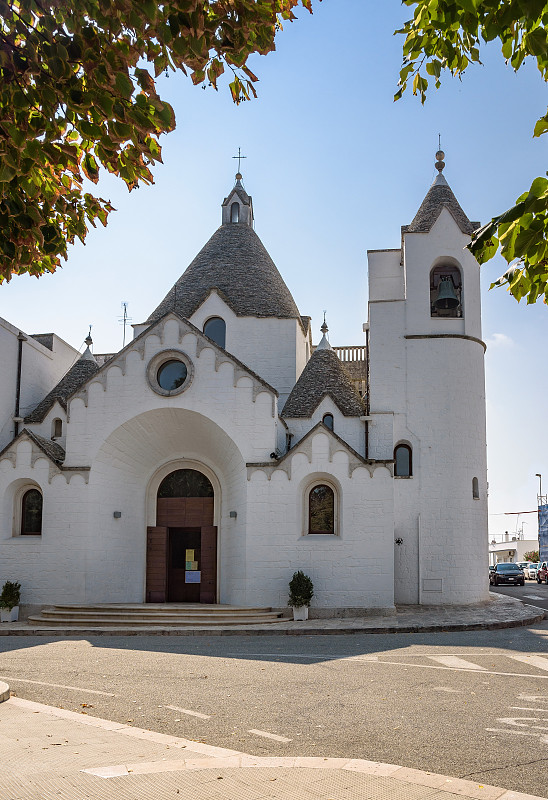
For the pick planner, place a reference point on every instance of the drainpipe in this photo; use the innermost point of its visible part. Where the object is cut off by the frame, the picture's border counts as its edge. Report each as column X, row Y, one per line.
column 419, row 562
column 17, row 419
column 368, row 392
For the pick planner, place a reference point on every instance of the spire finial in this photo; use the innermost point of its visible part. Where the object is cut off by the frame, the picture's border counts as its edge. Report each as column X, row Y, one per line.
column 324, row 343
column 324, row 329
column 239, row 157
column 88, row 340
column 440, row 155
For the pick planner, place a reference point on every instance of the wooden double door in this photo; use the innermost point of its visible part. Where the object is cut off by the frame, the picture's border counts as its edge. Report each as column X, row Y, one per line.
column 182, row 552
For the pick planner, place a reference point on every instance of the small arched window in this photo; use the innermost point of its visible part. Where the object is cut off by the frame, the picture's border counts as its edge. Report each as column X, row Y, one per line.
column 235, row 212
column 403, row 461
column 321, row 509
column 328, row 421
column 31, row 513
column 475, row 489
column 445, row 291
column 56, row 428
column 215, row 328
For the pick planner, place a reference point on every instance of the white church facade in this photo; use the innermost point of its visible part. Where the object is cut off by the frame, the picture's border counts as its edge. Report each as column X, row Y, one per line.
column 220, row 451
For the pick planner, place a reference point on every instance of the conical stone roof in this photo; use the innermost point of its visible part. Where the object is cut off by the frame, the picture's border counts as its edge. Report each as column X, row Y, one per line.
column 235, row 263
column 323, row 375
column 438, row 197
column 78, row 374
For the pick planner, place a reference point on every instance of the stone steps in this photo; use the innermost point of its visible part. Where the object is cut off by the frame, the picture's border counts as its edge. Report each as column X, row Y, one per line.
column 151, row 615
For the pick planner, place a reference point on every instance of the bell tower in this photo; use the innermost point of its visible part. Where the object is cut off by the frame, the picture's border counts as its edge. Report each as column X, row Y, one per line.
column 238, row 206
column 427, row 394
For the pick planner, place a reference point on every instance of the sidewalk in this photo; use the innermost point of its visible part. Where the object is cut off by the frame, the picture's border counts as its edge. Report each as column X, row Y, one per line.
column 500, row 611
column 49, row 753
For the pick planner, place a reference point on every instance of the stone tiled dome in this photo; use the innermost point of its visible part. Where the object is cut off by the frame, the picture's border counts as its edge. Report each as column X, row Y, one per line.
column 323, row 375
column 235, row 263
column 439, row 196
column 78, row 374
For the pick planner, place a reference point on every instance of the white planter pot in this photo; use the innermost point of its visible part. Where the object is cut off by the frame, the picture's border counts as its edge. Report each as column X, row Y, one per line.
column 300, row 614
column 9, row 615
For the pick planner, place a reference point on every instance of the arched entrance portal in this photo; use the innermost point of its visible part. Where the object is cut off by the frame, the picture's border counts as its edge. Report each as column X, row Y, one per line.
column 182, row 547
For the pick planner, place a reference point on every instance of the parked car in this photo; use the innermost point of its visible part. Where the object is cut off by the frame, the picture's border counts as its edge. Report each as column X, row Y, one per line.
column 507, row 573
column 523, row 565
column 531, row 571
column 542, row 573
column 491, row 568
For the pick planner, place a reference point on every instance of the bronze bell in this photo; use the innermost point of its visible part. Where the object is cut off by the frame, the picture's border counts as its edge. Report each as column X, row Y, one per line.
column 447, row 297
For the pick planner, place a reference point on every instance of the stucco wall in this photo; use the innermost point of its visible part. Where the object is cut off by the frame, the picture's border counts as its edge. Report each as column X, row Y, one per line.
column 40, row 372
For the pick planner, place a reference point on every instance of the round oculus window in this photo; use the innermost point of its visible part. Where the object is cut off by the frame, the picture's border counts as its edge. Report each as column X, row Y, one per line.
column 170, row 372
column 171, row 375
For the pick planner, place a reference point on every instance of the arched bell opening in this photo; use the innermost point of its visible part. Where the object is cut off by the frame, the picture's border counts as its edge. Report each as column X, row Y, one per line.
column 446, row 291
column 182, row 546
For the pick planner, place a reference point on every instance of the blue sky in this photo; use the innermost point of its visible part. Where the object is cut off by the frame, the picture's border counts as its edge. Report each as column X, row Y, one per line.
column 335, row 167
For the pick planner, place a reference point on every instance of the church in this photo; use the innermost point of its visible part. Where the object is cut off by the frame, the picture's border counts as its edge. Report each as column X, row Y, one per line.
column 221, row 450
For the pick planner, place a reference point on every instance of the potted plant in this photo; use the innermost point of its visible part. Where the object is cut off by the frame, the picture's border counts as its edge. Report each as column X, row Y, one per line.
column 9, row 601
column 301, row 592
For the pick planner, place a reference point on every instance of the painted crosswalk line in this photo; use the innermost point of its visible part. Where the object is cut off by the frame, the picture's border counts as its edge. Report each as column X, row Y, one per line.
column 456, row 662
column 536, row 661
column 267, row 735
column 189, row 712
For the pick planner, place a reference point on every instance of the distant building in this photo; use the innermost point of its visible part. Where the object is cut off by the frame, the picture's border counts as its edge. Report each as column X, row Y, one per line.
column 220, row 451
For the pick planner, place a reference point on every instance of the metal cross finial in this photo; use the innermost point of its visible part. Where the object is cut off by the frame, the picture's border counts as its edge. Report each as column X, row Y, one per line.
column 239, row 157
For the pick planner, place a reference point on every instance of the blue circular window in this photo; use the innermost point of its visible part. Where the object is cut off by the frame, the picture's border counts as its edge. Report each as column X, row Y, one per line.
column 171, row 375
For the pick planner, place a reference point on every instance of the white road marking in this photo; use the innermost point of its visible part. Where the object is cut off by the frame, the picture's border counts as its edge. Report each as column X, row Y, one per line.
column 456, row 662
column 190, row 713
column 537, row 661
column 534, row 597
column 269, row 735
column 520, row 708
column 542, row 737
column 57, row 686
column 533, row 697
column 464, row 666
column 323, row 656
column 125, row 730
column 523, row 722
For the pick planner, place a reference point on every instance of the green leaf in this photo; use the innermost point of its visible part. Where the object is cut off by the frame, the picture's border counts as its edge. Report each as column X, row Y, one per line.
column 434, row 68
column 468, row 5
column 124, row 84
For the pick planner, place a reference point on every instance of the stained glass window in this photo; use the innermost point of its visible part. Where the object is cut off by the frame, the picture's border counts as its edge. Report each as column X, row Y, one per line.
column 31, row 513
column 321, row 510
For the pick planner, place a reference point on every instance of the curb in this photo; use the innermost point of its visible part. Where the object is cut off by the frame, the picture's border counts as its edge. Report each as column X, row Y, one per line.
column 276, row 630
column 218, row 758
column 4, row 691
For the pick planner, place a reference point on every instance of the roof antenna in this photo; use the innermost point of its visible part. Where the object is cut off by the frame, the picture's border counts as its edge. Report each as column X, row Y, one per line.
column 124, row 319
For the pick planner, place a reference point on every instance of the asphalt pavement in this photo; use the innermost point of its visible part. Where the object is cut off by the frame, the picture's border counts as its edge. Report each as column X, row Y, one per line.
column 49, row 753
column 435, row 713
